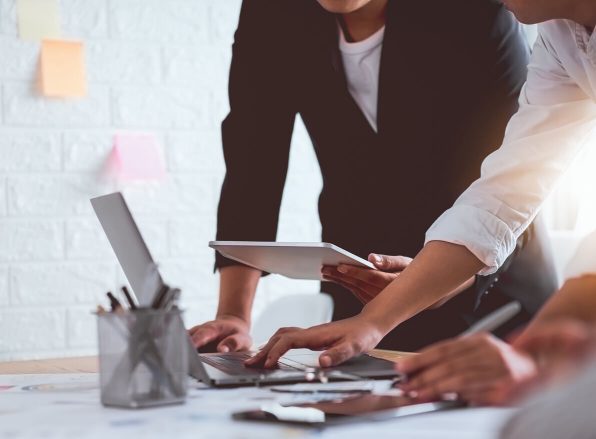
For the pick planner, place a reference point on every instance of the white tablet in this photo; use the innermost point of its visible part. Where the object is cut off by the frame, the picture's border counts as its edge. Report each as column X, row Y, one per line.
column 297, row 260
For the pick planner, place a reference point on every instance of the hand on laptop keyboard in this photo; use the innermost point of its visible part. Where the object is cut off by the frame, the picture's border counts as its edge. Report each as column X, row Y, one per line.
column 224, row 334
column 342, row 340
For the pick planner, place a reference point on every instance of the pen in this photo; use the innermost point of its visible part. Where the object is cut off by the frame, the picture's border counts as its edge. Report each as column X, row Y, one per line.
column 494, row 319
column 129, row 298
column 114, row 303
column 159, row 297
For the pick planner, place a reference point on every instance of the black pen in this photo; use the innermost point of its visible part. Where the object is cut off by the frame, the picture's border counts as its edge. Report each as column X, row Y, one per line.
column 159, row 297
column 129, row 298
column 114, row 303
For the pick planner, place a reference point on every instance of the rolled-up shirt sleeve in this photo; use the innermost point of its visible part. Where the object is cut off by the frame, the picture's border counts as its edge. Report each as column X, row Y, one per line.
column 541, row 141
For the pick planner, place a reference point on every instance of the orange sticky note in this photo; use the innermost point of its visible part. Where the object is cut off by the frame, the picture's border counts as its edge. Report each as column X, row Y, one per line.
column 136, row 156
column 63, row 69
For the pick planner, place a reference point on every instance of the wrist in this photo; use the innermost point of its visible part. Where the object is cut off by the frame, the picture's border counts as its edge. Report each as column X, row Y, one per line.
column 232, row 316
column 380, row 320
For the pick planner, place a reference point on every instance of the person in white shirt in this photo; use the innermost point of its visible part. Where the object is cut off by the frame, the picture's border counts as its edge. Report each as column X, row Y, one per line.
column 557, row 113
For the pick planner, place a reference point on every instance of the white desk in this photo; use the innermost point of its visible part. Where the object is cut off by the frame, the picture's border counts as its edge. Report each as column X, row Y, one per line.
column 67, row 405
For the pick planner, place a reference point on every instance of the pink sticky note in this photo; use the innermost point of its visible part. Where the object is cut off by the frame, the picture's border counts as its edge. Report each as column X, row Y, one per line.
column 136, row 156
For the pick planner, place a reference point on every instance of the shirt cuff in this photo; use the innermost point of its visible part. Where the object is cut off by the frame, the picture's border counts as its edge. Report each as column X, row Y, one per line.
column 481, row 232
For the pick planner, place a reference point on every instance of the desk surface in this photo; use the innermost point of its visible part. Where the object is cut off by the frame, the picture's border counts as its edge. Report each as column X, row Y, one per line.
column 60, row 398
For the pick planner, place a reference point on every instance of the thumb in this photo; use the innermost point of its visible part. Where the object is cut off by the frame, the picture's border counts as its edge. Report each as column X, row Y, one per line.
column 204, row 335
column 233, row 343
column 389, row 263
column 336, row 355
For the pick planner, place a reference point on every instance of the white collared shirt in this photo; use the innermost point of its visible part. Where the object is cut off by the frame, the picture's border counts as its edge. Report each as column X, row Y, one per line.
column 556, row 116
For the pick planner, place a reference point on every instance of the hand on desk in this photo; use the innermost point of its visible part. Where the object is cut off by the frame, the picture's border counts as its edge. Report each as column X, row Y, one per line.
column 484, row 370
column 229, row 332
column 342, row 340
column 364, row 283
column 481, row 369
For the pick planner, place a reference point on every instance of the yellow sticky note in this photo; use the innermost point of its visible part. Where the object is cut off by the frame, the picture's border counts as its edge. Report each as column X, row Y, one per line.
column 63, row 69
column 38, row 19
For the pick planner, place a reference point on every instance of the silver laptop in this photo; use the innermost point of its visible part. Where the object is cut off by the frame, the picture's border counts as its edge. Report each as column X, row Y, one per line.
column 215, row 369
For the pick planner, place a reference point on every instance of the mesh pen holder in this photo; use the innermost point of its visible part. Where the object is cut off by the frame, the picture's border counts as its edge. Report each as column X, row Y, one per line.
column 143, row 358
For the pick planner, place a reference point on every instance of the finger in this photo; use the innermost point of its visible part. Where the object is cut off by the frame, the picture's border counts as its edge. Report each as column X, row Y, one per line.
column 487, row 395
column 448, row 368
column 338, row 354
column 285, row 330
column 364, row 277
column 234, row 343
column 460, row 383
column 389, row 263
column 283, row 345
column 329, row 270
column 359, row 278
column 205, row 335
column 435, row 354
column 259, row 357
column 361, row 294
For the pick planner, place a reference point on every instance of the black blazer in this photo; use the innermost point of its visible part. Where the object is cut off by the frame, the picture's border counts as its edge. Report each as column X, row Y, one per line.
column 450, row 75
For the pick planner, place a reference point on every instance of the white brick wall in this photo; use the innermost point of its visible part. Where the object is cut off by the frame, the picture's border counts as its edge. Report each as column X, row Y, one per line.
column 153, row 65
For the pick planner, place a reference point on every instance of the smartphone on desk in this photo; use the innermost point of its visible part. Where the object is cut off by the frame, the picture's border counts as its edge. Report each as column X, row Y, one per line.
column 340, row 411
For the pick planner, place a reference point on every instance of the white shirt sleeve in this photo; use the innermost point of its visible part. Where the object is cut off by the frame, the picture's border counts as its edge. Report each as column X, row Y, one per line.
column 541, row 142
column 584, row 260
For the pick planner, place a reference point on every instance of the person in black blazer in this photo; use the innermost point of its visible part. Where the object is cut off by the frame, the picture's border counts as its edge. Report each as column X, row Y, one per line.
column 448, row 80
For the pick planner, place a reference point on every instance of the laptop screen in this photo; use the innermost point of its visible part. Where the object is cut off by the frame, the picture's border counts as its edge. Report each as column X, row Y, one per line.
column 128, row 244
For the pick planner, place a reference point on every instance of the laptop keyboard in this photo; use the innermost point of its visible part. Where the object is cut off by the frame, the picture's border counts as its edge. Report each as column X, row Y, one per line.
column 233, row 364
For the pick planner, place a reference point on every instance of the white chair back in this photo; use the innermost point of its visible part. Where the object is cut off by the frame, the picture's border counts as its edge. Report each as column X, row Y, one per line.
column 300, row 310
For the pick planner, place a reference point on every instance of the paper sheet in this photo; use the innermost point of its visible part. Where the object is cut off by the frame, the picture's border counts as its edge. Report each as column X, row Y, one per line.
column 136, row 156
column 38, row 19
column 63, row 69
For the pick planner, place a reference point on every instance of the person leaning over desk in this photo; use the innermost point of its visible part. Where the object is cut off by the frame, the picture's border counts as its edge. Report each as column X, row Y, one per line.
column 402, row 100
column 557, row 114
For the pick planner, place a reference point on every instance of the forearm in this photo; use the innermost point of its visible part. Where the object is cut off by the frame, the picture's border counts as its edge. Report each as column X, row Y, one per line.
column 438, row 270
column 238, row 285
column 575, row 300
